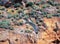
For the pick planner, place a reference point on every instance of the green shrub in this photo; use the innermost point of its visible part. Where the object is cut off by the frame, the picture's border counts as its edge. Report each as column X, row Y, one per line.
column 21, row 23
column 17, row 5
column 49, row 15
column 56, row 15
column 2, row 8
column 9, row 16
column 50, row 2
column 38, row 3
column 28, row 31
column 46, row 5
column 58, row 11
column 1, row 16
column 11, row 28
column 4, row 24
column 21, row 31
column 15, row 16
column 29, row 4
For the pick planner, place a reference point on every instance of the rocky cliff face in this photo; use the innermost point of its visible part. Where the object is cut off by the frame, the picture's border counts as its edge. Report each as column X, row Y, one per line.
column 48, row 36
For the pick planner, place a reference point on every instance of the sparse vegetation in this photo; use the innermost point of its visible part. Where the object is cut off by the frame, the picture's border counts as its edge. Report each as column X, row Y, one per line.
column 29, row 21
